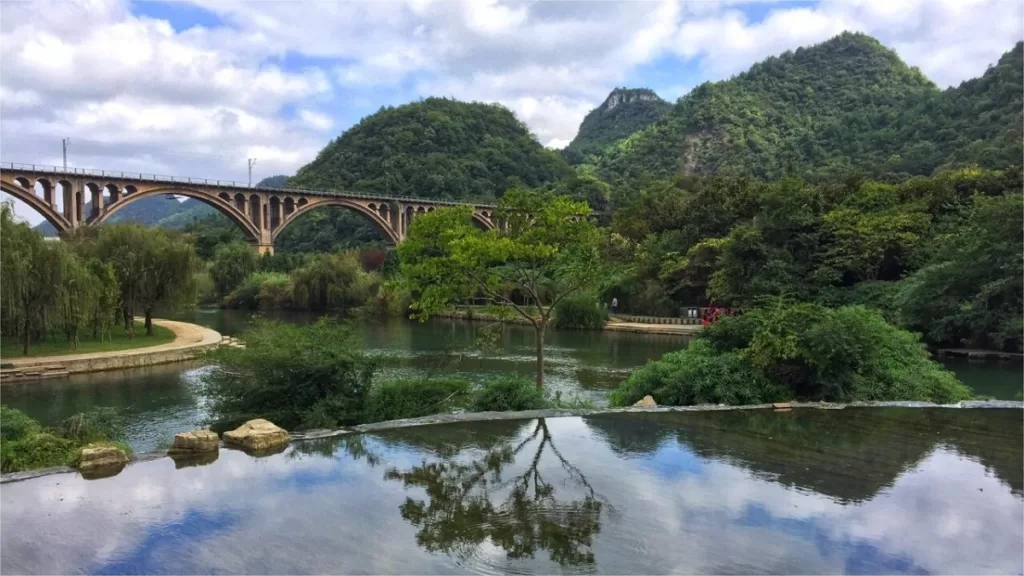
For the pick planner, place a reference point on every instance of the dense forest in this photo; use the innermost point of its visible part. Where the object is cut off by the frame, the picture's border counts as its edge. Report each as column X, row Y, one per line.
column 624, row 112
column 818, row 112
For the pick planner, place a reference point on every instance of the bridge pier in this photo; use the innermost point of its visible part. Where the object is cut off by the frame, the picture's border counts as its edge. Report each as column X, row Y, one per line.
column 262, row 249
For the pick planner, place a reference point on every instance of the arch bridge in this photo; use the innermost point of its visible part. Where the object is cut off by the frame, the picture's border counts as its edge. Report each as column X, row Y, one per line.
column 262, row 213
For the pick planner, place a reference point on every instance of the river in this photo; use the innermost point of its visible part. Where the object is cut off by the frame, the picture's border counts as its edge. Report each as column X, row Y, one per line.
column 159, row 401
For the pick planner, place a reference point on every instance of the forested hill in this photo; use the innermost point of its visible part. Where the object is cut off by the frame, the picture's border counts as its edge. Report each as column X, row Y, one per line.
column 624, row 112
column 846, row 103
column 436, row 148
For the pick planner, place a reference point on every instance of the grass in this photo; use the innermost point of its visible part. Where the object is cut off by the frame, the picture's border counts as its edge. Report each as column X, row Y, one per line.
column 56, row 343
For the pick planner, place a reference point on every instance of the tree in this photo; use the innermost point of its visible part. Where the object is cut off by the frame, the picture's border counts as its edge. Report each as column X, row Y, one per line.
column 232, row 263
column 545, row 249
column 31, row 270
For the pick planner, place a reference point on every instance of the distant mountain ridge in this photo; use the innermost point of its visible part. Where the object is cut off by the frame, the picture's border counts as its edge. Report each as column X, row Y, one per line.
column 624, row 111
column 846, row 103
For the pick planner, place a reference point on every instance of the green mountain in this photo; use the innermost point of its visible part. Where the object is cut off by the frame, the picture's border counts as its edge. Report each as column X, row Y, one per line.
column 846, row 103
column 164, row 210
column 435, row 148
column 624, row 112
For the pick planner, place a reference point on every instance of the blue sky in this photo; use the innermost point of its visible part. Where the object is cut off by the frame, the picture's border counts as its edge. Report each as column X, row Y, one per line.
column 197, row 87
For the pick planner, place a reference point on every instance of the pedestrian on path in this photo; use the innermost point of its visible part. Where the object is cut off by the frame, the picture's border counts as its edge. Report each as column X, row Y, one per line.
column 615, row 305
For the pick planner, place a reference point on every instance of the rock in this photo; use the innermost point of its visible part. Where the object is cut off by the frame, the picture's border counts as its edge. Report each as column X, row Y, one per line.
column 195, row 441
column 257, row 435
column 100, row 460
column 646, row 402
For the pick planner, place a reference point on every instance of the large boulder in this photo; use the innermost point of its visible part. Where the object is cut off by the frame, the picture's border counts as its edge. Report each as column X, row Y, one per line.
column 646, row 402
column 101, row 460
column 257, row 435
column 195, row 442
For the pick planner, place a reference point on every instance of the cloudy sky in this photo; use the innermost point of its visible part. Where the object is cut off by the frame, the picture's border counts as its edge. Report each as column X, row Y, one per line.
column 194, row 88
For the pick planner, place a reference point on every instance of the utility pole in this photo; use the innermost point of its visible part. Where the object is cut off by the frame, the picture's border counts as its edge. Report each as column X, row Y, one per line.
column 252, row 162
column 64, row 146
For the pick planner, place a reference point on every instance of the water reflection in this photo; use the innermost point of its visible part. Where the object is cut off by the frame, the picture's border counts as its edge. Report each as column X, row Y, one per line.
column 487, row 499
column 850, row 491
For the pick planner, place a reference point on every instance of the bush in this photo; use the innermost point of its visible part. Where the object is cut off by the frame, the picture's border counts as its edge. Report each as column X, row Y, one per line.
column 15, row 424
column 802, row 351
column 580, row 312
column 698, row 375
column 409, row 398
column 333, row 282
column 311, row 376
column 509, row 393
column 41, row 450
column 261, row 290
column 25, row 445
column 392, row 300
column 101, row 425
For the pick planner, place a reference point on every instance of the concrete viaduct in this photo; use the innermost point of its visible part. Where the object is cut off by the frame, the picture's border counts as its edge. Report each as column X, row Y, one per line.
column 262, row 213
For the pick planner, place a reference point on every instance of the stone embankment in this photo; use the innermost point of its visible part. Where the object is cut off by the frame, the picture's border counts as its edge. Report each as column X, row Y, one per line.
column 637, row 324
column 189, row 341
column 267, row 438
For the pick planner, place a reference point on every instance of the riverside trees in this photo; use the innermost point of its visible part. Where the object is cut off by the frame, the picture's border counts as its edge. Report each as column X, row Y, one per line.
column 85, row 283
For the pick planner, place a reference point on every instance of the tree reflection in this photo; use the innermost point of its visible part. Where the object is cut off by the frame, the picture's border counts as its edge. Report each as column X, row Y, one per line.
column 470, row 502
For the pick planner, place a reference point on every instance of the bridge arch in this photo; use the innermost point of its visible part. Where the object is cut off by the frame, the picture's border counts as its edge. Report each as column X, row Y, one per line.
column 224, row 207
column 27, row 194
column 303, row 206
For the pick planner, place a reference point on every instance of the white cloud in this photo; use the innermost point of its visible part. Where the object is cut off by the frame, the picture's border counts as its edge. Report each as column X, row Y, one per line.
column 134, row 92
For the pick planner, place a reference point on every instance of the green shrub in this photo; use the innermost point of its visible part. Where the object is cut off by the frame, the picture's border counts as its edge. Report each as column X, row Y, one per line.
column 261, row 290
column 15, row 424
column 333, row 282
column 313, row 375
column 392, row 300
column 801, row 351
column 41, row 450
column 507, row 393
column 409, row 398
column 102, row 425
column 580, row 312
column 698, row 375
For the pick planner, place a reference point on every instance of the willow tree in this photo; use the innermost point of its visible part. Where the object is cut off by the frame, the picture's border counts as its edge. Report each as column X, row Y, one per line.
column 545, row 249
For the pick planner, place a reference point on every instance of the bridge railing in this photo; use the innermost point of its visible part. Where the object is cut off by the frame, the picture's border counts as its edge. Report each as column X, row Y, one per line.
column 224, row 183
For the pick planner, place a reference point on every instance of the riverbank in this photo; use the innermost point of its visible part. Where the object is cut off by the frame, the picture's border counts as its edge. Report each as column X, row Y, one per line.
column 189, row 340
column 450, row 418
column 636, row 324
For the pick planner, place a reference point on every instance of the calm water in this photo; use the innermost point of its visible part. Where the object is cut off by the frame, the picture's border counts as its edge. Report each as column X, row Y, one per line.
column 160, row 401
column 850, row 491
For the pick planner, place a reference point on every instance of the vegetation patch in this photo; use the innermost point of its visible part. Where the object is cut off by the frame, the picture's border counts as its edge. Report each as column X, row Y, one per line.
column 580, row 312
column 25, row 445
column 410, row 398
column 508, row 393
column 801, row 352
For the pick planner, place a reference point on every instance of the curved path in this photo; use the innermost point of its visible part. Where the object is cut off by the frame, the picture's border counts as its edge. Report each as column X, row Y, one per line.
column 189, row 339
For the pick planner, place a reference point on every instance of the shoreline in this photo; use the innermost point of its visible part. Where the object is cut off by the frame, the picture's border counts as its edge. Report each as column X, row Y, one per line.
column 452, row 418
column 666, row 326
column 189, row 340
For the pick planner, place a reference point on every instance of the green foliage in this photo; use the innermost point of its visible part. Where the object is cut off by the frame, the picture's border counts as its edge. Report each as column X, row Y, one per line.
column 623, row 112
column 333, row 282
column 436, row 148
column 212, row 231
column 310, row 376
column 971, row 293
column 42, row 450
column 698, row 375
column 261, row 291
column 509, row 393
column 547, row 249
column 102, row 425
column 231, row 265
column 580, row 312
column 15, row 424
column 801, row 351
column 848, row 103
column 25, row 445
column 410, row 398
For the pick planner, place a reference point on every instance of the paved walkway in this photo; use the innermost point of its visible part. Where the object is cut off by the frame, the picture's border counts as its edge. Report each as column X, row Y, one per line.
column 187, row 337
column 677, row 329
